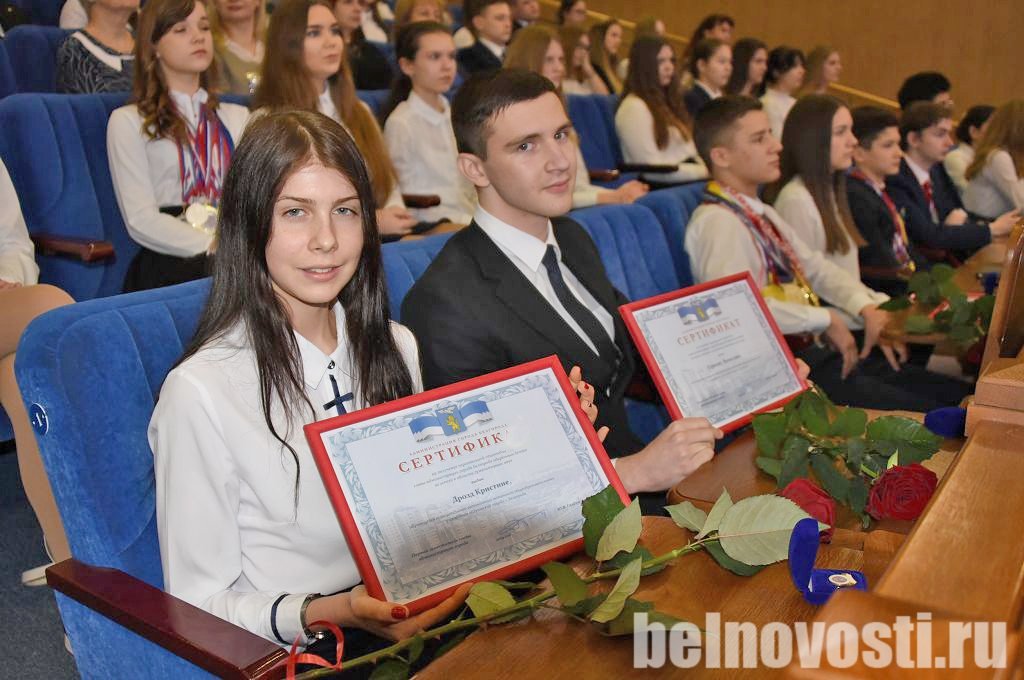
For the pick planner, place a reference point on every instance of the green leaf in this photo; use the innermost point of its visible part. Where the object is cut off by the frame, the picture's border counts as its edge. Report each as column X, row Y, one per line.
column 623, row 623
column 849, row 423
column 584, row 607
column 895, row 304
column 771, row 466
column 523, row 613
column 794, row 462
column 813, row 414
column 857, row 495
column 627, row 584
column 942, row 272
column 598, row 512
column 415, row 648
column 487, row 597
column 622, row 559
column 735, row 566
column 718, row 511
column 951, row 292
column 569, row 587
column 855, row 450
column 686, row 515
column 769, row 431
column 964, row 335
column 452, row 642
column 983, row 307
column 792, row 412
column 756, row 530
column 831, row 479
column 914, row 441
column 621, row 534
column 392, row 669
column 918, row 324
column 925, row 288
column 963, row 313
column 516, row 585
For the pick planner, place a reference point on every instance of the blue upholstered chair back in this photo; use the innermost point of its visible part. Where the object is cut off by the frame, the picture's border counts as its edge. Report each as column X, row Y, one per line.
column 593, row 116
column 55, row 147
column 404, row 262
column 673, row 208
column 8, row 84
column 32, row 51
column 375, row 99
column 46, row 12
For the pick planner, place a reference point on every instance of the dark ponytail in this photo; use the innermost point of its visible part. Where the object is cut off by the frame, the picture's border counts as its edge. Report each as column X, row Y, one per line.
column 407, row 45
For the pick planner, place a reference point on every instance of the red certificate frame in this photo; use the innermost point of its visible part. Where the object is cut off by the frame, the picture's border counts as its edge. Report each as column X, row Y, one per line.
column 627, row 311
column 314, row 435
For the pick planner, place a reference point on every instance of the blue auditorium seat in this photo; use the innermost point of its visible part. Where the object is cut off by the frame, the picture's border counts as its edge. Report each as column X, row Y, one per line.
column 32, row 51
column 8, row 83
column 404, row 262
column 45, row 12
column 375, row 99
column 593, row 116
column 673, row 207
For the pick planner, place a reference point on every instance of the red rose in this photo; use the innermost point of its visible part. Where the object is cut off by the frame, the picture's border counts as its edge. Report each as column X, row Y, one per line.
column 814, row 501
column 902, row 492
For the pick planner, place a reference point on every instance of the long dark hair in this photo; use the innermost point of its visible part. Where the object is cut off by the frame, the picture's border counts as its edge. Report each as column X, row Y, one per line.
column 665, row 103
column 806, row 151
column 407, row 45
column 708, row 23
column 274, row 147
column 743, row 52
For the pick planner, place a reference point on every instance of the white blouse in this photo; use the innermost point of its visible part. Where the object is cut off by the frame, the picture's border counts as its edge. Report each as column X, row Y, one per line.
column 777, row 105
column 233, row 534
column 584, row 194
column 573, row 86
column 635, row 127
column 956, row 164
column 17, row 254
column 146, row 175
column 996, row 189
column 421, row 142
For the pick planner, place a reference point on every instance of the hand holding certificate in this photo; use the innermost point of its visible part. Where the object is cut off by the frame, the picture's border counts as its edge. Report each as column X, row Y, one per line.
column 713, row 350
column 478, row 480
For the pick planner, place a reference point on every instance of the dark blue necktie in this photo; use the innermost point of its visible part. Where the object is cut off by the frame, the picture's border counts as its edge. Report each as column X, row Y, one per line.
column 606, row 349
column 338, row 396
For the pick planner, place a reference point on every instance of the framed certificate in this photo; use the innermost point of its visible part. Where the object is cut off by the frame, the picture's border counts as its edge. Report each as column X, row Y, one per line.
column 478, row 480
column 714, row 350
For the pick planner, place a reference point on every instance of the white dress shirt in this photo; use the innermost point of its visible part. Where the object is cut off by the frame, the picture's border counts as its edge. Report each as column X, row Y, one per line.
column 325, row 104
column 233, row 534
column 719, row 244
column 146, row 175
column 17, row 254
column 526, row 253
column 796, row 207
column 635, row 126
column 421, row 142
column 956, row 163
column 777, row 105
column 922, row 176
column 996, row 189
column 584, row 194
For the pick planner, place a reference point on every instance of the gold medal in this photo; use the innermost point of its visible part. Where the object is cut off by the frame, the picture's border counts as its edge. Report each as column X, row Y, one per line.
column 201, row 217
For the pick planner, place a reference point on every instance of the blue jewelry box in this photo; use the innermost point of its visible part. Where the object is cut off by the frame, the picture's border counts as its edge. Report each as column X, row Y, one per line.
column 817, row 585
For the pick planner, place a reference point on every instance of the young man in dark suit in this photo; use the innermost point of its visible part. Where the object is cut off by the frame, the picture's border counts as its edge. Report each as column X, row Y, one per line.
column 524, row 13
column 520, row 282
column 491, row 23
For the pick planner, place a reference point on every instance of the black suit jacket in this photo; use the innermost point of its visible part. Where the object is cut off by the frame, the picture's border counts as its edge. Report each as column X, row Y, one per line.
column 695, row 99
column 909, row 197
column 477, row 59
column 875, row 224
column 473, row 312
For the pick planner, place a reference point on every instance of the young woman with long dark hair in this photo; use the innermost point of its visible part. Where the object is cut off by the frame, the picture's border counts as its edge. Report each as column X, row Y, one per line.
column 749, row 65
column 785, row 77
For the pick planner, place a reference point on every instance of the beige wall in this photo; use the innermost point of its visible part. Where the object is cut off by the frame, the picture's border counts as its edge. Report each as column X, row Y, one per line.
column 976, row 44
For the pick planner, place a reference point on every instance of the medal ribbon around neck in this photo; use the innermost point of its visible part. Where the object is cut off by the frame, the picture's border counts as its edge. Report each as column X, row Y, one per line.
column 204, row 160
column 900, row 240
column 780, row 261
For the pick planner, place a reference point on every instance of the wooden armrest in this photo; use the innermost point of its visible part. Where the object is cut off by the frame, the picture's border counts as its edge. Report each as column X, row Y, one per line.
column 421, row 200
column 604, row 175
column 648, row 167
column 884, row 273
column 213, row 644
column 86, row 250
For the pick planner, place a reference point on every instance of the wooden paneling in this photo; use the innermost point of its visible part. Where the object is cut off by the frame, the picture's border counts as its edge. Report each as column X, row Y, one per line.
column 881, row 42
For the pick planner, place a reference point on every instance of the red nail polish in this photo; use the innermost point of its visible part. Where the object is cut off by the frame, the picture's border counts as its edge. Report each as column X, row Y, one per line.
column 399, row 612
column 585, row 385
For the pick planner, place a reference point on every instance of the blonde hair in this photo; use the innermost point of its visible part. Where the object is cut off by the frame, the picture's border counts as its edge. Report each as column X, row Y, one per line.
column 529, row 47
column 259, row 24
column 815, row 65
column 404, row 8
column 1005, row 131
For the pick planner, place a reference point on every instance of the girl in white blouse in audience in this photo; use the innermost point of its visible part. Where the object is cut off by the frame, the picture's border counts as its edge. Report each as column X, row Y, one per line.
column 995, row 178
column 651, row 121
column 536, row 48
column 810, row 195
column 581, row 77
column 418, row 123
column 784, row 79
column 297, row 314
column 170, row 148
column 305, row 69
column 749, row 66
column 968, row 133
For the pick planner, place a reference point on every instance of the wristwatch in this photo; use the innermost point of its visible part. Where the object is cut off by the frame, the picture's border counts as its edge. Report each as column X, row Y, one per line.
column 310, row 635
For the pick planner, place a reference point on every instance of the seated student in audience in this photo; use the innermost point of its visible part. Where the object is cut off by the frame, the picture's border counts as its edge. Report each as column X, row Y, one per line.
column 524, row 13
column 537, row 49
column 651, row 121
column 99, row 57
column 572, row 13
column 711, row 27
column 376, row 16
column 411, row 11
column 784, row 78
column 369, row 66
column 887, row 249
column 648, row 26
column 167, row 180
column 21, row 301
column 996, row 176
column 73, row 15
column 491, row 23
column 418, row 127
column 733, row 231
column 305, row 69
column 711, row 67
column 749, row 66
column 932, row 207
column 823, row 68
column 239, row 27
column 968, row 133
column 581, row 77
column 522, row 282
column 605, row 40
column 927, row 86
column 464, row 35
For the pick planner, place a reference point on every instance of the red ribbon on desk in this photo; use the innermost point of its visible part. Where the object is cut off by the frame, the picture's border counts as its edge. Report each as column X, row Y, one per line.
column 294, row 658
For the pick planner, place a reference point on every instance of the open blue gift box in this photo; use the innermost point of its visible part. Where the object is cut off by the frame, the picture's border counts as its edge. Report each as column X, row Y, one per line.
column 815, row 584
